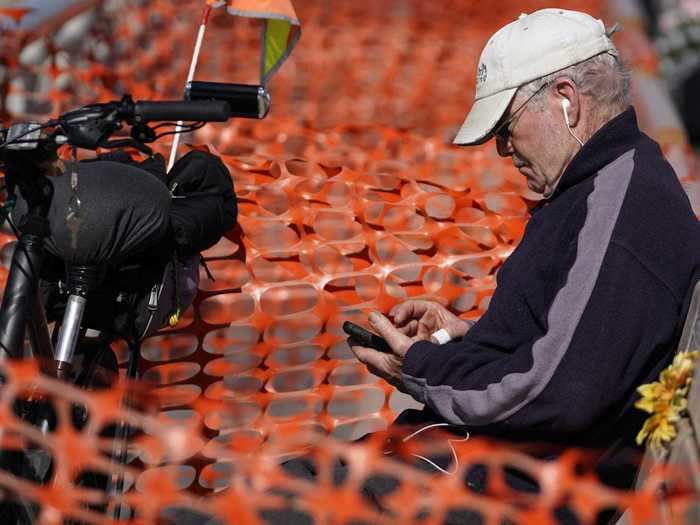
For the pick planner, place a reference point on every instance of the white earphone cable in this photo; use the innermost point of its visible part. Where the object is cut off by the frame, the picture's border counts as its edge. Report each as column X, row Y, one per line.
column 449, row 441
column 572, row 134
column 564, row 107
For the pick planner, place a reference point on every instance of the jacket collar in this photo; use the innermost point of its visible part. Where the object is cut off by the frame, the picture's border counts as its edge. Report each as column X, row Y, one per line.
column 612, row 140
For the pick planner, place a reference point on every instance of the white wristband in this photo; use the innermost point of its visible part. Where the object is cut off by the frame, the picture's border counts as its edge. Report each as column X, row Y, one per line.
column 442, row 336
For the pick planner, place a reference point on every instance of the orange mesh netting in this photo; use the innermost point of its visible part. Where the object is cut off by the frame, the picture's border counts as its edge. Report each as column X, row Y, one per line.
column 350, row 199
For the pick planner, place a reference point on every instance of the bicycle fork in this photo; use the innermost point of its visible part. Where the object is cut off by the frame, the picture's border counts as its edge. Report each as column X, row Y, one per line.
column 80, row 281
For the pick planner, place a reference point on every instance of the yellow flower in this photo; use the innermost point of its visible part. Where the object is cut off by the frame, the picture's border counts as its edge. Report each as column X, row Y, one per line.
column 666, row 401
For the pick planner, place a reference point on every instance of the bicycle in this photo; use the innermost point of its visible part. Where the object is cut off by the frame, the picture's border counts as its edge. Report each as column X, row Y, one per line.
column 28, row 154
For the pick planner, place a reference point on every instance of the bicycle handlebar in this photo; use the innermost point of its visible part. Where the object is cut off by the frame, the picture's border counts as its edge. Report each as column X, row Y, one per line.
column 91, row 126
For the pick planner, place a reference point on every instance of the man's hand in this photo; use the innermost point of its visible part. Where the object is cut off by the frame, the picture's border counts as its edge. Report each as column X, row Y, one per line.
column 385, row 365
column 420, row 319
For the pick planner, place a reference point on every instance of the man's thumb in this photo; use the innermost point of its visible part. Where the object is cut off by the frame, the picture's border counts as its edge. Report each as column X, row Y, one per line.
column 380, row 323
column 385, row 328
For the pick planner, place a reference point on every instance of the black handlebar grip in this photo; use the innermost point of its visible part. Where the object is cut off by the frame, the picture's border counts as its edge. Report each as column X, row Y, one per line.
column 189, row 110
column 366, row 338
column 246, row 101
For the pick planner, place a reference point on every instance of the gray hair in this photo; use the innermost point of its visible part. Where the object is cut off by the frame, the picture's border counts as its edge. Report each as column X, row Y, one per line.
column 602, row 77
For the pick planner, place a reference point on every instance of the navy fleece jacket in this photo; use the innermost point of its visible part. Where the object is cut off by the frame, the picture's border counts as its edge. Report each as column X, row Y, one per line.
column 588, row 307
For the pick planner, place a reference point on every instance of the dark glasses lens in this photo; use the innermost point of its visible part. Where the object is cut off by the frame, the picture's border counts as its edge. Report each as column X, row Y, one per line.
column 502, row 129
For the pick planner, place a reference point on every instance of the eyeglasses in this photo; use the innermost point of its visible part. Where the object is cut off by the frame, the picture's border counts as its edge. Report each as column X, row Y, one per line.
column 503, row 130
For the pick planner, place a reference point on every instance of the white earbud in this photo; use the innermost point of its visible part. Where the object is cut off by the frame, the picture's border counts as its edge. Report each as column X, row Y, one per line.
column 565, row 108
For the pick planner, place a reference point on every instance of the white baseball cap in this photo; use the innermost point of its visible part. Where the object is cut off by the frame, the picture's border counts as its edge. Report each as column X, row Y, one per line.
column 533, row 46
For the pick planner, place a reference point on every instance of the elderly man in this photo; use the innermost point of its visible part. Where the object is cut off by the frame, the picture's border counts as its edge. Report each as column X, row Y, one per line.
column 591, row 303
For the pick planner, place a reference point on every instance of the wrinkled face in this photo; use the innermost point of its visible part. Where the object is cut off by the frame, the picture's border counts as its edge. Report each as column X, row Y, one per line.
column 534, row 140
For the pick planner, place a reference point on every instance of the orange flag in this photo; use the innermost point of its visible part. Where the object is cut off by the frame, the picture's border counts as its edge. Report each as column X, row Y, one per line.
column 16, row 13
column 280, row 32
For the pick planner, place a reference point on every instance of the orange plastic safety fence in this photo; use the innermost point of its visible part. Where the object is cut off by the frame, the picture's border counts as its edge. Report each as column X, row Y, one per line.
column 350, row 199
column 250, row 485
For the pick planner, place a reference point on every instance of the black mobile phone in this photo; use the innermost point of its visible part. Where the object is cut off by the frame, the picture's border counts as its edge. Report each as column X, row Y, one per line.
column 366, row 338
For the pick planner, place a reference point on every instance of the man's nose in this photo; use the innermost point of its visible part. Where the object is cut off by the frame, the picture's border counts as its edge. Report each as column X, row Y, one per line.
column 503, row 146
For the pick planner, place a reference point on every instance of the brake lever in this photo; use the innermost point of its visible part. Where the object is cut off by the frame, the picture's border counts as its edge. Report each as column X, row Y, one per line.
column 127, row 143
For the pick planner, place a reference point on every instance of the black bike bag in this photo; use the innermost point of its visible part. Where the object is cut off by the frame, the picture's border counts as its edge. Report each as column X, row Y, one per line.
column 123, row 211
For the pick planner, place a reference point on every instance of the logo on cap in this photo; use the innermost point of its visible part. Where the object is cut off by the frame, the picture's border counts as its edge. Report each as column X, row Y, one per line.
column 481, row 74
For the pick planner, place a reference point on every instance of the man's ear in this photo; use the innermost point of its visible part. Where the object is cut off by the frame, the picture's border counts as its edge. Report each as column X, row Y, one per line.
column 568, row 101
